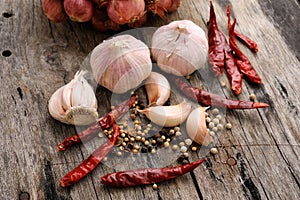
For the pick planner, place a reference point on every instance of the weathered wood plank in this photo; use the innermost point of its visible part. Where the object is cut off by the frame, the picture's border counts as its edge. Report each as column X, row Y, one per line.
column 44, row 56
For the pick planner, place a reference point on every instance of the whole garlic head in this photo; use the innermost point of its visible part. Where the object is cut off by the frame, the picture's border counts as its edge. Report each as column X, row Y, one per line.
column 180, row 48
column 74, row 103
column 121, row 63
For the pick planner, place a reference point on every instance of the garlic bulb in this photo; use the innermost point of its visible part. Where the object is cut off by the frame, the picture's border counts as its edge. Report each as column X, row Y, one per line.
column 158, row 89
column 180, row 48
column 168, row 116
column 74, row 103
column 196, row 127
column 121, row 63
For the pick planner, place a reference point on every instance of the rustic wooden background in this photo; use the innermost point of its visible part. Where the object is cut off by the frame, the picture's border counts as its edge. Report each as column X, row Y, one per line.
column 38, row 56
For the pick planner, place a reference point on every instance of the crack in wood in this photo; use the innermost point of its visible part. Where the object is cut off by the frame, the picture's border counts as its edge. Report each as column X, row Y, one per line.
column 247, row 183
column 196, row 185
column 49, row 183
column 20, row 92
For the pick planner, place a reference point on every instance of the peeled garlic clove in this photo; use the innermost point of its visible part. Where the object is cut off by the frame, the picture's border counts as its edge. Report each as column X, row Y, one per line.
column 74, row 103
column 196, row 127
column 180, row 48
column 168, row 116
column 121, row 63
column 158, row 89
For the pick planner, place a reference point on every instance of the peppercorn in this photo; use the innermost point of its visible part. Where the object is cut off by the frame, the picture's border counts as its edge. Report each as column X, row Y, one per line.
column 194, row 148
column 130, row 146
column 219, row 117
column 208, row 119
column 166, row 144
column 183, row 149
column 220, row 127
column 178, row 133
column 228, row 126
column 119, row 153
column 100, row 134
column 214, row 150
column 175, row 147
column 176, row 128
column 252, row 97
column 135, row 151
column 154, row 186
column 144, row 149
column 216, row 121
column 153, row 142
column 188, row 142
column 153, row 151
column 211, row 125
column 138, row 138
column 215, row 129
column 215, row 111
column 159, row 141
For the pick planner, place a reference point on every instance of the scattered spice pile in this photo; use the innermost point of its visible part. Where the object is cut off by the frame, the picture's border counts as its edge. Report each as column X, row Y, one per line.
column 107, row 14
column 121, row 64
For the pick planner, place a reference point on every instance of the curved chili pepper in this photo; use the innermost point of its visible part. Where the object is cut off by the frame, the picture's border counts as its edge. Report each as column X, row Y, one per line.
column 216, row 43
column 208, row 99
column 233, row 72
column 147, row 176
column 247, row 41
column 242, row 61
column 92, row 161
column 102, row 124
column 220, row 54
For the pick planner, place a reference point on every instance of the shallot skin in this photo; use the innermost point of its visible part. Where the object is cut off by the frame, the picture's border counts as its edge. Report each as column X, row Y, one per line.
column 125, row 11
column 159, row 7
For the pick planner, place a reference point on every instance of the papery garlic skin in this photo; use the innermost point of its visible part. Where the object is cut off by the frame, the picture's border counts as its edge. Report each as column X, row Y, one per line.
column 196, row 127
column 74, row 103
column 180, row 48
column 121, row 63
column 158, row 89
column 168, row 116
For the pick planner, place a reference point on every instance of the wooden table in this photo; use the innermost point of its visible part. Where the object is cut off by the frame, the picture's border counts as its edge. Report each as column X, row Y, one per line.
column 38, row 56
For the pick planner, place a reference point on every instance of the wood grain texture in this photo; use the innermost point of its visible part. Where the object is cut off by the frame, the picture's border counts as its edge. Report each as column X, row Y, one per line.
column 45, row 56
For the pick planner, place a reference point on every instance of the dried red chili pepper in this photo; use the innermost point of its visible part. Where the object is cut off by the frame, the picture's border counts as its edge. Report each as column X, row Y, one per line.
column 147, row 176
column 92, row 161
column 247, row 41
column 220, row 54
column 216, row 43
column 208, row 99
column 233, row 72
column 242, row 61
column 102, row 124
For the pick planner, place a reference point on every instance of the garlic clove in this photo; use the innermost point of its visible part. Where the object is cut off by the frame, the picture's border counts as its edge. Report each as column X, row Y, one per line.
column 121, row 63
column 55, row 107
column 74, row 103
column 158, row 89
column 180, row 48
column 168, row 116
column 196, row 127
